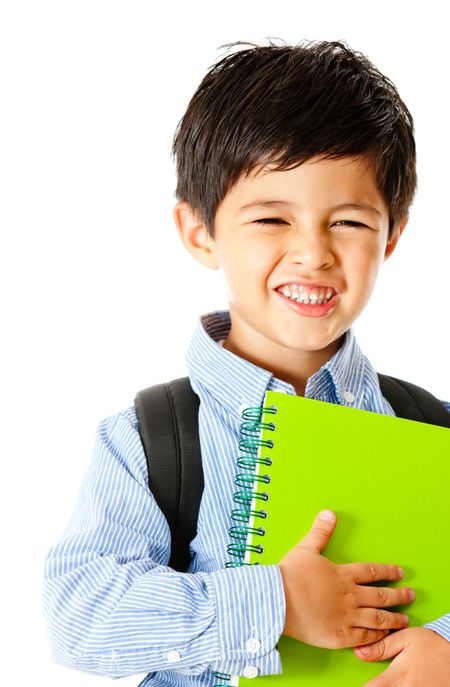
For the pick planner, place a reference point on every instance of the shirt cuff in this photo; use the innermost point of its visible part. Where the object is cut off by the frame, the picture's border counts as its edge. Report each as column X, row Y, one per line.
column 251, row 613
column 441, row 626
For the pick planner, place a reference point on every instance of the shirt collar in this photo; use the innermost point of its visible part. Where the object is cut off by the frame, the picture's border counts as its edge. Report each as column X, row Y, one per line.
column 235, row 382
column 344, row 374
column 230, row 379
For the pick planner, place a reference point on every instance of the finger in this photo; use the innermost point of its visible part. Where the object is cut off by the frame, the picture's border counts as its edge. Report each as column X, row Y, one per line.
column 372, row 572
column 320, row 533
column 360, row 636
column 383, row 597
column 376, row 619
column 384, row 648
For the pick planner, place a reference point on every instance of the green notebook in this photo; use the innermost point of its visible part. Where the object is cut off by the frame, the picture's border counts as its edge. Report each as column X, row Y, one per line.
column 387, row 479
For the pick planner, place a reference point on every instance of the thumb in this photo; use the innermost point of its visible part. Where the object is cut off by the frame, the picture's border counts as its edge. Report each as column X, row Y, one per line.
column 386, row 648
column 320, row 533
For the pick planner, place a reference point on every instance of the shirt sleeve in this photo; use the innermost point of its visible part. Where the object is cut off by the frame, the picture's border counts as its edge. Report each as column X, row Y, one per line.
column 114, row 607
column 441, row 626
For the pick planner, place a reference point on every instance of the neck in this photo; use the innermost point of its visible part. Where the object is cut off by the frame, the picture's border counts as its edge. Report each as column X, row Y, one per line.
column 290, row 365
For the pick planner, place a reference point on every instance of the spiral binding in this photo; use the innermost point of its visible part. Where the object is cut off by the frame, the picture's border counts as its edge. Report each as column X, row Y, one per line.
column 251, row 487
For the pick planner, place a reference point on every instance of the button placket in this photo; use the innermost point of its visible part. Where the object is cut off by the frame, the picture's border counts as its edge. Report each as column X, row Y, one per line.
column 250, row 671
column 253, row 645
column 348, row 396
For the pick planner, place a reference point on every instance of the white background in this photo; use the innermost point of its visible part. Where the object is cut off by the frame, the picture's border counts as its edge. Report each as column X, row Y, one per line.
column 99, row 297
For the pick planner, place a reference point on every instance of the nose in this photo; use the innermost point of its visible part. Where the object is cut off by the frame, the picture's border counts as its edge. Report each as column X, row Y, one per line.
column 311, row 248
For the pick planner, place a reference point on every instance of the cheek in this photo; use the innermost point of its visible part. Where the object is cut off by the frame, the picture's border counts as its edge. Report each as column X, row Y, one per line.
column 250, row 264
column 364, row 264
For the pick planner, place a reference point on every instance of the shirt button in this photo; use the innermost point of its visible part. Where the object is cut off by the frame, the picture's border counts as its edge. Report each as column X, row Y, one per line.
column 253, row 645
column 173, row 656
column 250, row 671
column 348, row 396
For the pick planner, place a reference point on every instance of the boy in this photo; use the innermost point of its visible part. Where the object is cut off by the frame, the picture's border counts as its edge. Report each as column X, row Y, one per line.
column 296, row 171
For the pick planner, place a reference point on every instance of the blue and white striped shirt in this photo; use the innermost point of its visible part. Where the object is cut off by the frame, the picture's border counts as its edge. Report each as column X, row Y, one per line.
column 113, row 605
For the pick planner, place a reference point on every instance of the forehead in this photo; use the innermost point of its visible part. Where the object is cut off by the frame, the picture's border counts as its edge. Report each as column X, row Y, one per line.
column 317, row 182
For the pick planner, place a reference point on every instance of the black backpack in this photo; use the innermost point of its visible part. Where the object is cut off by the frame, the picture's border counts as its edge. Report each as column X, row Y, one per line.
column 168, row 425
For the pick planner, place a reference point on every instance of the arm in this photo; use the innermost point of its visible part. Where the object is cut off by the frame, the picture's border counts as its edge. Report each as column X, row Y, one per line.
column 113, row 605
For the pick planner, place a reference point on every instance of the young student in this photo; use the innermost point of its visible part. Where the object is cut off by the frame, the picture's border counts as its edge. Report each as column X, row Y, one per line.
column 296, row 172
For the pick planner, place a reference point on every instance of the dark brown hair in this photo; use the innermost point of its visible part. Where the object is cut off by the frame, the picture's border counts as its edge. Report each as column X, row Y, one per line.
column 282, row 105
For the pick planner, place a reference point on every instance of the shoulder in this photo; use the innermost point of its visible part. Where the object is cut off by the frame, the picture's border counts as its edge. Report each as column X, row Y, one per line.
column 413, row 402
column 119, row 430
column 118, row 443
column 446, row 405
column 119, row 425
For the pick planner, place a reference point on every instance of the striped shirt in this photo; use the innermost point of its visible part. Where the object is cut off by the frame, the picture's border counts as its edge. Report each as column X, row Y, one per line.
column 113, row 605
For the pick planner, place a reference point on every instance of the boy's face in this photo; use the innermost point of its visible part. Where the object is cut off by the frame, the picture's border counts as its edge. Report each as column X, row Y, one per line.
column 282, row 234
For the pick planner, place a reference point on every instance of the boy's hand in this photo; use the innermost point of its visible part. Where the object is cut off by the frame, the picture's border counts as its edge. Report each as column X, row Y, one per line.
column 422, row 659
column 326, row 604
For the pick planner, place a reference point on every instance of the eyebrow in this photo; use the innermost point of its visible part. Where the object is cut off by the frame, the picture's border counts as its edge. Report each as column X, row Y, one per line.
column 342, row 206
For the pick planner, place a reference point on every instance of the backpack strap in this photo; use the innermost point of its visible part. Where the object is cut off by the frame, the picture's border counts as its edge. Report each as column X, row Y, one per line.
column 412, row 402
column 168, row 425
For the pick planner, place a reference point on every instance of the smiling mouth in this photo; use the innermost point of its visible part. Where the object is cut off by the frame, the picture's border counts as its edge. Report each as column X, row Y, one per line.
column 317, row 295
column 310, row 309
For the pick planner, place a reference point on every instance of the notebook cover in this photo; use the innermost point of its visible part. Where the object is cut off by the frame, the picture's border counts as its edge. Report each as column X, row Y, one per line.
column 387, row 480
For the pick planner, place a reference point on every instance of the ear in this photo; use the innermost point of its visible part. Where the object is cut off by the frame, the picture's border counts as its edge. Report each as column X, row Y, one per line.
column 194, row 235
column 392, row 242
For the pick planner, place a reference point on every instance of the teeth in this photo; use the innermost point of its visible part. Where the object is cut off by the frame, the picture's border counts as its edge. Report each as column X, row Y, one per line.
column 307, row 296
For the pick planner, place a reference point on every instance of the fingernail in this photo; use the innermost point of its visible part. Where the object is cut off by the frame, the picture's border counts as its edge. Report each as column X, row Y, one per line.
column 405, row 620
column 326, row 515
column 364, row 651
column 412, row 595
column 400, row 572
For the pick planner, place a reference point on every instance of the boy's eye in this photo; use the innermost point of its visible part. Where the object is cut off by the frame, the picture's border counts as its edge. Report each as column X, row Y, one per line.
column 269, row 221
column 350, row 223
